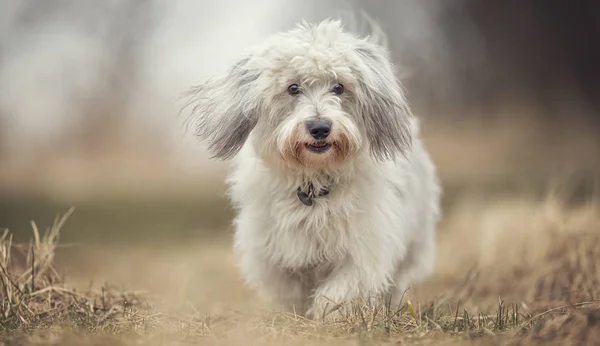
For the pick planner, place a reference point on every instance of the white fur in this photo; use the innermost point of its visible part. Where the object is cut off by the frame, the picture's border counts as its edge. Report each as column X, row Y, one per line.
column 374, row 233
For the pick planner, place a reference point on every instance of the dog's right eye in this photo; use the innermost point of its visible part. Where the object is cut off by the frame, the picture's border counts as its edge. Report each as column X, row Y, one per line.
column 294, row 89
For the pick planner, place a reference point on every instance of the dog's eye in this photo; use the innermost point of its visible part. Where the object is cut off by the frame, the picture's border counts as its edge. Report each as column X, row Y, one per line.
column 294, row 89
column 338, row 89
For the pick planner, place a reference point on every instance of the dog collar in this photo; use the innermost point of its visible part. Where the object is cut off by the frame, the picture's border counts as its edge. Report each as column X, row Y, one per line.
column 306, row 197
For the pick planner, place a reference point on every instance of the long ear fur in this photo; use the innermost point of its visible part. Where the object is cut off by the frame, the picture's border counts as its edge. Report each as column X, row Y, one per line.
column 382, row 103
column 225, row 110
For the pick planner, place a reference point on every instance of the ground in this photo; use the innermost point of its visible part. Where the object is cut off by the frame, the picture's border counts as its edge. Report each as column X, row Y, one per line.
column 515, row 270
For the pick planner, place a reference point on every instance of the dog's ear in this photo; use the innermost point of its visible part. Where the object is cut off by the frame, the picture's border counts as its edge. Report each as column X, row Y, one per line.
column 225, row 109
column 382, row 104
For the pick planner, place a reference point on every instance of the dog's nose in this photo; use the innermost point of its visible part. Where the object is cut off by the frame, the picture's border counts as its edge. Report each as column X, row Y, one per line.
column 318, row 129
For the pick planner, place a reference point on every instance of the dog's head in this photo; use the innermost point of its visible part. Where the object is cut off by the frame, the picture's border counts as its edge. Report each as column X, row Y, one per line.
column 313, row 98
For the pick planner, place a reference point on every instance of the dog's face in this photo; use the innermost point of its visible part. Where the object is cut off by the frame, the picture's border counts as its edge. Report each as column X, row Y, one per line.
column 313, row 98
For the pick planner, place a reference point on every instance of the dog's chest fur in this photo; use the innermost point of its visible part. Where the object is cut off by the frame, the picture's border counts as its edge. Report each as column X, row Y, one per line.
column 309, row 235
column 290, row 234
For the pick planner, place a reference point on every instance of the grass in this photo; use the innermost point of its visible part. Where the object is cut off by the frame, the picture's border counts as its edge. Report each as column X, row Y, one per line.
column 34, row 296
column 518, row 270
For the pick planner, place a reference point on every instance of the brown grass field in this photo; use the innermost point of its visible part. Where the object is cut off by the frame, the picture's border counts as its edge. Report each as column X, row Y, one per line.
column 518, row 262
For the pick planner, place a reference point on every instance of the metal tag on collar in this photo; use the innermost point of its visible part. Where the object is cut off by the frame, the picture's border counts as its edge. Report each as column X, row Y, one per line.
column 304, row 197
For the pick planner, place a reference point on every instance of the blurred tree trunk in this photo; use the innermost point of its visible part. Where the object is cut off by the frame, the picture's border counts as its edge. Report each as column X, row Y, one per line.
column 543, row 50
column 3, row 141
column 100, row 127
column 122, row 28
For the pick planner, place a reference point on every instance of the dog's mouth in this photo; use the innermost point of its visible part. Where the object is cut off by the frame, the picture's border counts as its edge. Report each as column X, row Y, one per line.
column 318, row 147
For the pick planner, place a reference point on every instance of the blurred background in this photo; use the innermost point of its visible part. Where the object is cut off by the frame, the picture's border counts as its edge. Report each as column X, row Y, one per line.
column 90, row 100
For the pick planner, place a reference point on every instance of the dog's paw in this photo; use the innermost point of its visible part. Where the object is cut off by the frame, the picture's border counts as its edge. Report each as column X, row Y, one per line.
column 325, row 310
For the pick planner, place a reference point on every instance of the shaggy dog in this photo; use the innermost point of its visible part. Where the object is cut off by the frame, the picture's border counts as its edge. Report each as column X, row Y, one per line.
column 337, row 198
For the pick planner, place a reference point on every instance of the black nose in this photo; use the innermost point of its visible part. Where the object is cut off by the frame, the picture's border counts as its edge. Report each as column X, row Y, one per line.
column 319, row 129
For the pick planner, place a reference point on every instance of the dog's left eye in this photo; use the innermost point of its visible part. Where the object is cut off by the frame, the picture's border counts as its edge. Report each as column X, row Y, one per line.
column 294, row 89
column 338, row 89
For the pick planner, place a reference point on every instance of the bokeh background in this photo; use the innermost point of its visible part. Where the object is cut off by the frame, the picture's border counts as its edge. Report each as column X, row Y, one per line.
column 90, row 100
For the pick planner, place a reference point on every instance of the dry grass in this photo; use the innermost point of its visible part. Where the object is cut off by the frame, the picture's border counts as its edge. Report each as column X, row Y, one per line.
column 515, row 271
column 34, row 297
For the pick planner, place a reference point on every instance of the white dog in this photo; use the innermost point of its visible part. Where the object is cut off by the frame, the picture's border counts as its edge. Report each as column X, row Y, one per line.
column 337, row 198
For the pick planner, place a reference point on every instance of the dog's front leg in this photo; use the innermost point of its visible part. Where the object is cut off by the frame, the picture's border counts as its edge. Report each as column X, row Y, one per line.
column 275, row 284
column 348, row 283
column 288, row 289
